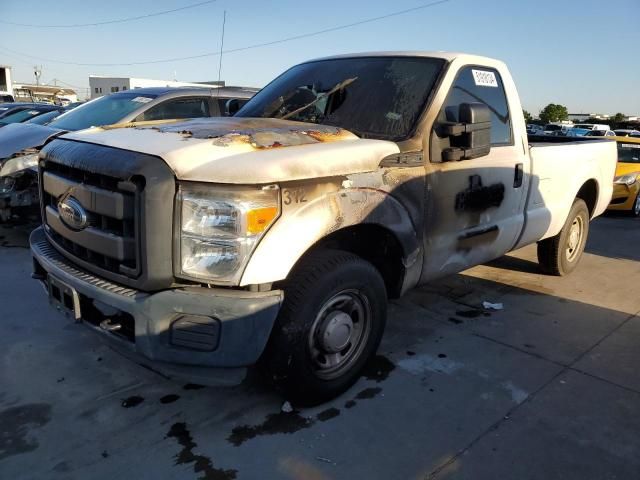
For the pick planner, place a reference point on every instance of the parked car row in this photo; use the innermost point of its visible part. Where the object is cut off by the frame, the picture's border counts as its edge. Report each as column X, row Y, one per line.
column 579, row 130
column 28, row 127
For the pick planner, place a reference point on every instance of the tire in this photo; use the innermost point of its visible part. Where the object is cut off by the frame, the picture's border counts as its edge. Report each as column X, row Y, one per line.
column 310, row 355
column 561, row 254
column 635, row 210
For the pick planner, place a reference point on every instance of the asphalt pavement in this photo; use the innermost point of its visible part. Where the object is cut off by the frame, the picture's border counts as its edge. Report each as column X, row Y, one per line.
column 546, row 388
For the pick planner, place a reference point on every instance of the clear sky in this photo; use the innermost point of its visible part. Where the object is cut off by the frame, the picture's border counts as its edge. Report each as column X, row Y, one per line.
column 580, row 53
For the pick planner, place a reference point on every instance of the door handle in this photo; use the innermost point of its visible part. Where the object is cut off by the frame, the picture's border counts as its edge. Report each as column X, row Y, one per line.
column 518, row 176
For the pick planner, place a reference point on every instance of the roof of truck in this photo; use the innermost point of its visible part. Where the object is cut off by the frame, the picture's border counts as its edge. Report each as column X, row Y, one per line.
column 449, row 56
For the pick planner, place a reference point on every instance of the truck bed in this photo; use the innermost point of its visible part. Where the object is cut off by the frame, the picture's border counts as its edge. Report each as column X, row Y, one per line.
column 560, row 167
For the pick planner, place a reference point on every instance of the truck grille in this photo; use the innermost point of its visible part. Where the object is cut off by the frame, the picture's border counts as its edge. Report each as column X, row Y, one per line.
column 110, row 240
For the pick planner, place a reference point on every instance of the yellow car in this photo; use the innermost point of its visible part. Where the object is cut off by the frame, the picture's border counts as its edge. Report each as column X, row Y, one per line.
column 626, row 188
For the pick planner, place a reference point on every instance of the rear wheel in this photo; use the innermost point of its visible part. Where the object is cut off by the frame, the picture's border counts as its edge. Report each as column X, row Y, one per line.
column 330, row 325
column 559, row 255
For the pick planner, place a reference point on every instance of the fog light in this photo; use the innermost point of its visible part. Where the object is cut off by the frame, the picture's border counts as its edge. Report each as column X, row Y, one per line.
column 195, row 332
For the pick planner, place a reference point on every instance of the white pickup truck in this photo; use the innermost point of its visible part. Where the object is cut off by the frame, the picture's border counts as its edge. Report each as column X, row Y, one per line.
column 276, row 236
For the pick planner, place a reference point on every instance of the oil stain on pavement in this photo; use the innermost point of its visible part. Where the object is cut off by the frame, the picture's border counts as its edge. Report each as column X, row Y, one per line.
column 201, row 463
column 15, row 425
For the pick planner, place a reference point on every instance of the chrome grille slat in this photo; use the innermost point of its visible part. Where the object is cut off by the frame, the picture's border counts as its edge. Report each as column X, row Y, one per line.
column 111, row 241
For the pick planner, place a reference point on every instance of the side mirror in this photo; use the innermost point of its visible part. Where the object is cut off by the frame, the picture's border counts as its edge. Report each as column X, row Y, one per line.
column 231, row 107
column 471, row 136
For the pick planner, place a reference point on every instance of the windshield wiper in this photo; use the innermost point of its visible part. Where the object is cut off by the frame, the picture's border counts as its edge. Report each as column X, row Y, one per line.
column 322, row 96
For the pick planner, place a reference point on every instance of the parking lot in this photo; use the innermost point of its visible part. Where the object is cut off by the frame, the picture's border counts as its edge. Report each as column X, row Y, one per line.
column 546, row 388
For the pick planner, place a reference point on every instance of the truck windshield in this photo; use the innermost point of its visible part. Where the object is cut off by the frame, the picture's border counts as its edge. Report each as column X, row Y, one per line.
column 629, row 152
column 373, row 97
column 102, row 111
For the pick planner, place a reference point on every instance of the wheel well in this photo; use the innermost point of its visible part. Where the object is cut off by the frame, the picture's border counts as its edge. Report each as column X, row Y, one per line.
column 377, row 245
column 589, row 193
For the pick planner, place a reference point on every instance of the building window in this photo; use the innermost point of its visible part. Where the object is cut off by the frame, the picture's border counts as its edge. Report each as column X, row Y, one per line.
column 124, row 87
column 114, row 89
column 96, row 89
column 100, row 90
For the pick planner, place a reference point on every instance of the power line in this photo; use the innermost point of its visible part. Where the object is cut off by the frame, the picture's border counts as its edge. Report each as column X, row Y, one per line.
column 240, row 49
column 109, row 22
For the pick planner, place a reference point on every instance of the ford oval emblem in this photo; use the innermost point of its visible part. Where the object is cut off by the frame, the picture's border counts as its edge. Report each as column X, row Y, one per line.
column 72, row 213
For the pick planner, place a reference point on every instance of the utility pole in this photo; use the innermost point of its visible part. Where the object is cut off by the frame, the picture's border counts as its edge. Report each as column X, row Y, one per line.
column 37, row 71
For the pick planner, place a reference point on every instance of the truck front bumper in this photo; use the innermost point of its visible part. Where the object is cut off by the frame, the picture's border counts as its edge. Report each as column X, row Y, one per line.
column 204, row 335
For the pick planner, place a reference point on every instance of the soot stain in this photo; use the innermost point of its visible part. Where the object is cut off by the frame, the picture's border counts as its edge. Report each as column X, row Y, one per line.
column 368, row 393
column 442, row 355
column 378, row 368
column 456, row 321
column 201, row 463
column 478, row 197
column 410, row 353
column 17, row 422
column 350, row 404
column 281, row 422
column 192, row 386
column 328, row 414
column 132, row 401
column 169, row 398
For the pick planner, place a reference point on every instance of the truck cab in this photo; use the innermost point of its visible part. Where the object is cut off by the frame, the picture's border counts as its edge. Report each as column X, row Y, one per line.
column 277, row 235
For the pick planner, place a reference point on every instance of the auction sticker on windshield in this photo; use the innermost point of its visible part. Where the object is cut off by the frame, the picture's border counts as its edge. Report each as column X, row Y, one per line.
column 141, row 99
column 484, row 79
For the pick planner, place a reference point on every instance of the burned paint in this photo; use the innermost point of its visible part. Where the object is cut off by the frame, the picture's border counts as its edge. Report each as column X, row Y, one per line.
column 442, row 355
column 455, row 321
column 368, row 393
column 275, row 423
column 478, row 197
column 350, row 404
column 378, row 368
column 201, row 464
column 410, row 353
column 328, row 414
column 17, row 424
column 169, row 398
column 132, row 401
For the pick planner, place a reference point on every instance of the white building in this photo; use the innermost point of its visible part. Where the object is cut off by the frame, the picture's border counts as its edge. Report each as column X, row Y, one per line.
column 105, row 85
column 6, row 84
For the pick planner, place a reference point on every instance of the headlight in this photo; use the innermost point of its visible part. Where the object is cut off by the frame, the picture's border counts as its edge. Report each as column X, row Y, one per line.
column 220, row 226
column 628, row 179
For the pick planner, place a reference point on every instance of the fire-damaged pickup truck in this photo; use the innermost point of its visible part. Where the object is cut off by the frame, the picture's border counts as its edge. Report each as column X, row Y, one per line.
column 275, row 237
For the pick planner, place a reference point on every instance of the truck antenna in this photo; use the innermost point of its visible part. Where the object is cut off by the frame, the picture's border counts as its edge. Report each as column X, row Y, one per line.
column 224, row 21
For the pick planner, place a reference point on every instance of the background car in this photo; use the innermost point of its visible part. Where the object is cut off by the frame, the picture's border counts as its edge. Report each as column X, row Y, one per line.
column 577, row 132
column 600, row 133
column 626, row 184
column 533, row 129
column 27, row 112
column 593, row 126
column 624, row 132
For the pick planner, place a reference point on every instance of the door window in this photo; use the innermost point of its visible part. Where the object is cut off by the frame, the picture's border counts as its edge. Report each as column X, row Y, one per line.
column 481, row 85
column 178, row 108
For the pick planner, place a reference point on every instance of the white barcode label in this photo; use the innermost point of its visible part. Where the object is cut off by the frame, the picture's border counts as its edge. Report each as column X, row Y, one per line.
column 484, row 79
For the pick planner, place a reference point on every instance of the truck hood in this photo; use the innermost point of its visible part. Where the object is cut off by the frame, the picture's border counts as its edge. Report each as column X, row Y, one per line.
column 17, row 137
column 245, row 150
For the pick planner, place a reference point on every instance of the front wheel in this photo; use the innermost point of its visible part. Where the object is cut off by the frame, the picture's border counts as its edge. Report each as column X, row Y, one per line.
column 635, row 211
column 330, row 325
column 559, row 255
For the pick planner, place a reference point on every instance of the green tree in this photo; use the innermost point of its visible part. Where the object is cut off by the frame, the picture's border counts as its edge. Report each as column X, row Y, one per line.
column 618, row 118
column 527, row 116
column 554, row 113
